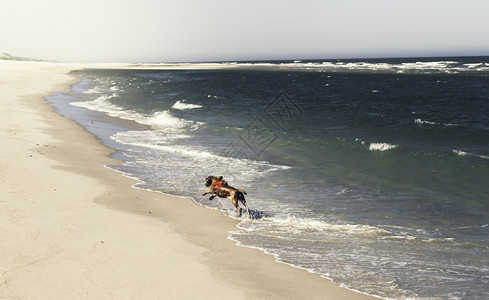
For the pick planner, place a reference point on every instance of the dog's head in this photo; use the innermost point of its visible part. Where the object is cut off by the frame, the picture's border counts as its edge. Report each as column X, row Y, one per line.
column 211, row 179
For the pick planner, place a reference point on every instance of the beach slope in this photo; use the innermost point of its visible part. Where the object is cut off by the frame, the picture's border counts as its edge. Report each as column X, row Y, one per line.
column 73, row 229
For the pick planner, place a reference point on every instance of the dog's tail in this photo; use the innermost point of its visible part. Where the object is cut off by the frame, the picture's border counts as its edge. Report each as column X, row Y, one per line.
column 241, row 196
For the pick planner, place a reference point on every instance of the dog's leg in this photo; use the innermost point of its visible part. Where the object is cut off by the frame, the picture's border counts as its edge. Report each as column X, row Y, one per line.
column 247, row 208
column 210, row 192
column 241, row 198
column 234, row 200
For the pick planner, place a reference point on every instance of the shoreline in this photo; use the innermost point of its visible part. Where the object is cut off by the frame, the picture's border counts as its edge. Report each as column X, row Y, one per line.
column 81, row 228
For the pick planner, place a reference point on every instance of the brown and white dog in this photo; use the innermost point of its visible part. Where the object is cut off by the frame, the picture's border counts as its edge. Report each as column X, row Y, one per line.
column 219, row 187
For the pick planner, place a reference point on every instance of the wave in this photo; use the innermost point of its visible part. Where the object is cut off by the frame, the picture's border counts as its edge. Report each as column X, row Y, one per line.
column 418, row 239
column 460, row 152
column 103, row 105
column 419, row 121
column 163, row 119
column 160, row 140
column 464, row 154
column 471, row 227
column 381, row 146
column 215, row 97
column 183, row 106
column 297, row 225
column 416, row 67
column 425, row 122
column 159, row 119
column 443, row 66
column 94, row 90
column 376, row 146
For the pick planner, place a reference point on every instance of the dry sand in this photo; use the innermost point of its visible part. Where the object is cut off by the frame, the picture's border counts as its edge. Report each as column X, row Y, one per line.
column 72, row 229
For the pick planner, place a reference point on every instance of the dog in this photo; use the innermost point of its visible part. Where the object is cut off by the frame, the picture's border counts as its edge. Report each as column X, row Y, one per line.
column 219, row 187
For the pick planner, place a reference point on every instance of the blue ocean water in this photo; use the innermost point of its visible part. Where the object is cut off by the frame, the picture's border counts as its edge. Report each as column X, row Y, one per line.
column 372, row 173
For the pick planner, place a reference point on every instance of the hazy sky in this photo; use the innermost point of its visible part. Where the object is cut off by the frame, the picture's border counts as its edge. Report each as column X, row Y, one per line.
column 192, row 30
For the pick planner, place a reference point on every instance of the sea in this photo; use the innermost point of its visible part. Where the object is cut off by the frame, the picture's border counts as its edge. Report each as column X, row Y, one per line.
column 373, row 173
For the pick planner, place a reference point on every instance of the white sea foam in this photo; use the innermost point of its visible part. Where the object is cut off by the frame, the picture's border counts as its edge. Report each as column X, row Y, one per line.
column 425, row 122
column 419, row 121
column 415, row 238
column 181, row 105
column 103, row 104
column 159, row 140
column 163, row 119
column 214, row 96
column 94, row 90
column 471, row 66
column 471, row 227
column 384, row 67
column 297, row 225
column 460, row 152
column 159, row 119
column 179, row 150
column 464, row 154
column 339, row 66
column 381, row 146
